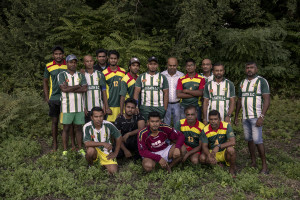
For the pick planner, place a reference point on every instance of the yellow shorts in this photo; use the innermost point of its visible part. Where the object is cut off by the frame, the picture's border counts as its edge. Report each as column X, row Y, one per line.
column 101, row 156
column 113, row 116
column 220, row 157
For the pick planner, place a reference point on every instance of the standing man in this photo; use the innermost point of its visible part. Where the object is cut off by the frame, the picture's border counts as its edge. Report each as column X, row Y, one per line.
column 153, row 143
column 129, row 125
column 113, row 75
column 174, row 103
column 101, row 56
column 128, row 82
column 73, row 85
column 52, row 97
column 254, row 97
column 219, row 94
column 96, row 88
column 154, row 90
column 191, row 128
column 218, row 142
column 97, row 140
column 207, row 70
column 190, row 87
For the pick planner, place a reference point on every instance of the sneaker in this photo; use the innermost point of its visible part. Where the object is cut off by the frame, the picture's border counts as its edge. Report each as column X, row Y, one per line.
column 82, row 152
column 65, row 153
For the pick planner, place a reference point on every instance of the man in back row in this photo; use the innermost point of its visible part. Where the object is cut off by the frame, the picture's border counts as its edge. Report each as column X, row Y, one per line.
column 101, row 56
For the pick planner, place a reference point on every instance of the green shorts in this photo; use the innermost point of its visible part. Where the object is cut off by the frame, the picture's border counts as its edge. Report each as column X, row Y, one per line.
column 145, row 110
column 69, row 118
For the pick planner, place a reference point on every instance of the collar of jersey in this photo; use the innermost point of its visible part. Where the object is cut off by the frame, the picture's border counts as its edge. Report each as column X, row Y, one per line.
column 196, row 124
column 220, row 127
column 109, row 70
column 64, row 63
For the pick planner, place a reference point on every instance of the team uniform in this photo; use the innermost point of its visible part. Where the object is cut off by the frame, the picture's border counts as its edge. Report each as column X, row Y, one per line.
column 51, row 71
column 152, row 97
column 157, row 147
column 195, row 83
column 127, row 86
column 191, row 134
column 93, row 96
column 71, row 102
column 113, row 80
column 207, row 78
column 90, row 133
column 251, row 92
column 215, row 137
column 219, row 95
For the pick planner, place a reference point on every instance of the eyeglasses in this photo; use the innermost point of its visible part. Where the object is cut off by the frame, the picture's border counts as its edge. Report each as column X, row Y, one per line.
column 206, row 64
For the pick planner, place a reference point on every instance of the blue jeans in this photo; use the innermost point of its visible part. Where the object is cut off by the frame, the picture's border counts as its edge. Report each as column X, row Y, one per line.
column 173, row 110
column 252, row 132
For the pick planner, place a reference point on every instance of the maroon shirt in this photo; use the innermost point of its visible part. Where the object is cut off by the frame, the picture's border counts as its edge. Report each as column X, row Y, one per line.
column 148, row 144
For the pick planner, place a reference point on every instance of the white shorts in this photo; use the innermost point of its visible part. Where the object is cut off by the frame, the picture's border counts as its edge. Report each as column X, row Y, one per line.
column 165, row 153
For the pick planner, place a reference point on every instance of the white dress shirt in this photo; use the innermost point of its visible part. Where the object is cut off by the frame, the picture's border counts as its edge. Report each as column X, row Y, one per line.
column 172, row 80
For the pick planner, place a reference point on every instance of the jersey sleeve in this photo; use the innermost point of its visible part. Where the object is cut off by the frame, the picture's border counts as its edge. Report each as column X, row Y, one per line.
column 143, row 149
column 232, row 89
column 179, row 84
column 202, row 84
column 83, row 79
column 86, row 134
column 203, row 137
column 140, row 117
column 102, row 82
column 229, row 131
column 173, row 134
column 61, row 78
column 165, row 82
column 46, row 73
column 114, row 131
column 124, row 88
column 118, row 123
column 206, row 92
column 264, row 86
column 138, row 82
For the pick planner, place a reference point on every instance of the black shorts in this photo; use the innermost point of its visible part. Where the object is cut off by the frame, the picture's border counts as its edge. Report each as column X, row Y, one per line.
column 54, row 108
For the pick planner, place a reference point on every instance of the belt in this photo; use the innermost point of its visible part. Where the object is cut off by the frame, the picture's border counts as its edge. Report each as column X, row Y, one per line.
column 174, row 102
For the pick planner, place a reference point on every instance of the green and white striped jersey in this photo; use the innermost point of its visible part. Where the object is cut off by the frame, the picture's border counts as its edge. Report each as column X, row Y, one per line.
column 152, row 87
column 71, row 101
column 90, row 133
column 93, row 96
column 209, row 78
column 219, row 95
column 251, row 92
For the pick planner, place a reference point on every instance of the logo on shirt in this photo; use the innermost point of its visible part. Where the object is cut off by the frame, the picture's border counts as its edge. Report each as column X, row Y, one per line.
column 242, row 86
column 191, row 88
column 67, row 80
column 157, row 80
column 144, row 80
column 78, row 79
column 216, row 142
column 255, row 85
column 211, row 90
column 225, row 89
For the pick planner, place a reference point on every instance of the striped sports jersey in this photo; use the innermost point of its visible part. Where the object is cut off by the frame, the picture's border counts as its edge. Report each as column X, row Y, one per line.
column 71, row 101
column 207, row 79
column 215, row 137
column 152, row 87
column 52, row 69
column 113, row 81
column 195, row 83
column 191, row 133
column 251, row 92
column 93, row 97
column 127, row 86
column 219, row 95
column 90, row 133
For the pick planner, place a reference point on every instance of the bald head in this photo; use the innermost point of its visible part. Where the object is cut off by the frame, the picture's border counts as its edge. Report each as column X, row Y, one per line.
column 206, row 66
column 172, row 65
column 88, row 62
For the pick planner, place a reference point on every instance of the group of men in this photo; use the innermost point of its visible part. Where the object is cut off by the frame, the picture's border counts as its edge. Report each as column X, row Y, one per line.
column 127, row 114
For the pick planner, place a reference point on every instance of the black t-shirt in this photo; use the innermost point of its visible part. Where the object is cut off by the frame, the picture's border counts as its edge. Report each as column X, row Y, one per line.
column 127, row 125
column 97, row 67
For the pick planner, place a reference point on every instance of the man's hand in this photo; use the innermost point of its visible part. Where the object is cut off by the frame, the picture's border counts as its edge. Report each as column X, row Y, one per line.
column 236, row 121
column 227, row 119
column 108, row 111
column 137, row 111
column 107, row 146
column 212, row 158
column 176, row 153
column 205, row 122
column 185, row 91
column 259, row 122
column 125, row 137
column 111, row 156
column 85, row 112
column 185, row 157
column 127, row 154
column 163, row 163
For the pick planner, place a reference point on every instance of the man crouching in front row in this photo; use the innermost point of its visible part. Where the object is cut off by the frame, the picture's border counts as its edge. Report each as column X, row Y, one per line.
column 154, row 144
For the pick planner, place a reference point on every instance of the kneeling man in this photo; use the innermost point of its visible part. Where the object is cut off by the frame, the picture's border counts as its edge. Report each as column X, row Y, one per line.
column 97, row 139
column 153, row 144
column 218, row 142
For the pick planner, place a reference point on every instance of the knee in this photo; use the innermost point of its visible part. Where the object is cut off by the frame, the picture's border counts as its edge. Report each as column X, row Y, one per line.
column 202, row 159
column 230, row 151
column 113, row 169
column 148, row 166
column 195, row 160
column 90, row 152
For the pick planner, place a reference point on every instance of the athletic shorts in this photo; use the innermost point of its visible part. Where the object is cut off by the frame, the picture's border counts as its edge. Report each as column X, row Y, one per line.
column 101, row 157
column 188, row 148
column 165, row 153
column 220, row 156
column 145, row 110
column 115, row 112
column 54, row 108
column 75, row 118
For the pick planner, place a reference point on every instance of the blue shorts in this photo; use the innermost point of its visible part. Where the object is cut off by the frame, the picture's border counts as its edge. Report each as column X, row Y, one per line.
column 252, row 132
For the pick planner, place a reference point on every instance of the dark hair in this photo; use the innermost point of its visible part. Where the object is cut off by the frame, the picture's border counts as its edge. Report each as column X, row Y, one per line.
column 101, row 51
column 218, row 64
column 250, row 63
column 130, row 100
column 98, row 109
column 114, row 52
column 153, row 114
column 214, row 112
column 190, row 107
column 190, row 60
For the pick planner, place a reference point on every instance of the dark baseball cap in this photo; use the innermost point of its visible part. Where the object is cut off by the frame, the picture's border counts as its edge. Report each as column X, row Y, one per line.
column 71, row 57
column 58, row 48
column 152, row 58
column 134, row 60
